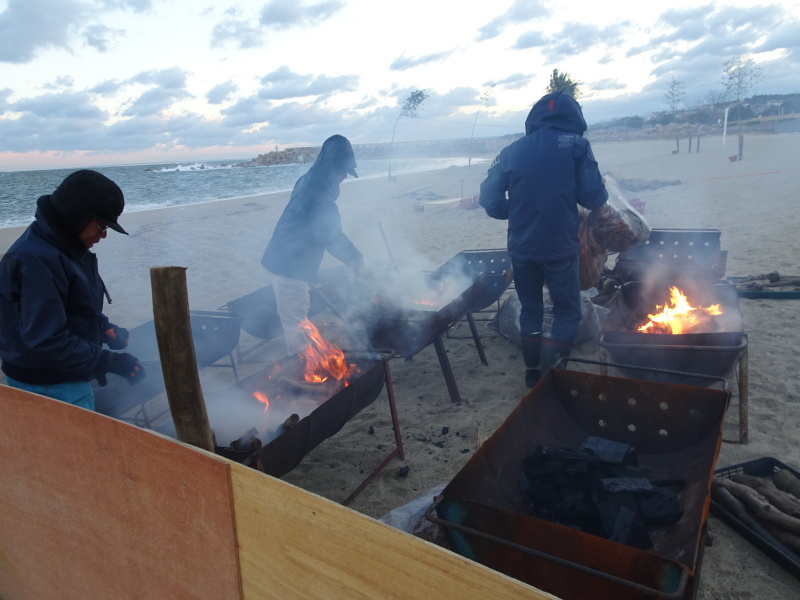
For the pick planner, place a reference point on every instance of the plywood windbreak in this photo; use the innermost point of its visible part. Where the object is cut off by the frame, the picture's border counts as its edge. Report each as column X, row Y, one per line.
column 91, row 507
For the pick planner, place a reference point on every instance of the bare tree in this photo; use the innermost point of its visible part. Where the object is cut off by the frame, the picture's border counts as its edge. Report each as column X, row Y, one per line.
column 487, row 93
column 409, row 109
column 563, row 82
column 740, row 75
column 676, row 91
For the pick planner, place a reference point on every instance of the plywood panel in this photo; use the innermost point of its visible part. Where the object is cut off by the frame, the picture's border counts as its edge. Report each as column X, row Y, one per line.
column 94, row 508
column 293, row 544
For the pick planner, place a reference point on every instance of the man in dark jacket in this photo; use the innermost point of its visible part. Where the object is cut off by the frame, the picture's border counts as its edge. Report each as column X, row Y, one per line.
column 52, row 326
column 310, row 225
column 537, row 183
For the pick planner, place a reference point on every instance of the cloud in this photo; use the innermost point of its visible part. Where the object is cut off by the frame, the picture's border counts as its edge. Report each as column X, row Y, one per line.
column 63, row 105
column 4, row 95
column 521, row 11
column 107, row 87
column 607, row 84
column 28, row 26
column 285, row 14
column 403, row 63
column 239, row 31
column 99, row 36
column 530, row 39
column 276, row 15
column 172, row 78
column 283, row 83
column 153, row 101
column 512, row 82
column 64, row 81
column 578, row 38
column 219, row 93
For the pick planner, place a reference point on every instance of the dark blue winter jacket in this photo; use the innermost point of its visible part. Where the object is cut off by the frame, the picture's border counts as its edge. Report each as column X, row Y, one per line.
column 311, row 223
column 51, row 305
column 547, row 174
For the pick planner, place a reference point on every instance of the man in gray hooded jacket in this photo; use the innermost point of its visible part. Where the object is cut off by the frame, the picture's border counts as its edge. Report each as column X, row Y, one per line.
column 537, row 183
column 309, row 226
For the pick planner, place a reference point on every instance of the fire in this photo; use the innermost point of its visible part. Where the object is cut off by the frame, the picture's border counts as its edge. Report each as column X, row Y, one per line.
column 437, row 293
column 678, row 316
column 262, row 397
column 323, row 360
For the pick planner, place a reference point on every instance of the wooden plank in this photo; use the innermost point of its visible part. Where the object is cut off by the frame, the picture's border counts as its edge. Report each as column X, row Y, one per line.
column 91, row 507
column 178, row 360
column 293, row 544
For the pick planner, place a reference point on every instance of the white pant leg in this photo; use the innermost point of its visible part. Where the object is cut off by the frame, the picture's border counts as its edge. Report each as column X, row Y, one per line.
column 293, row 304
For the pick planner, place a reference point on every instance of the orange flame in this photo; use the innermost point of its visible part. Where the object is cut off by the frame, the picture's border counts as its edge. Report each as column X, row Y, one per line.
column 678, row 316
column 437, row 294
column 262, row 397
column 322, row 359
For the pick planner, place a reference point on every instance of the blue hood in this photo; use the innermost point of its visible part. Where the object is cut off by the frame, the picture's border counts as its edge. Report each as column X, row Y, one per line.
column 556, row 110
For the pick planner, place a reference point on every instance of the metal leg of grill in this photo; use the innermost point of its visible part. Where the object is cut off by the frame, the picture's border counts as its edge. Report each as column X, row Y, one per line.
column 397, row 451
column 447, row 370
column 477, row 338
column 741, row 376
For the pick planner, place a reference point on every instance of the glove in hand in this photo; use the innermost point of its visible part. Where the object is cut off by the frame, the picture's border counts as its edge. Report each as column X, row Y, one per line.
column 127, row 366
column 116, row 338
column 120, row 363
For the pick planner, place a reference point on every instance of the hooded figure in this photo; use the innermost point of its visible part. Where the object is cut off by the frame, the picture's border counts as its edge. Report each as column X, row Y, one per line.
column 52, row 326
column 310, row 225
column 537, row 183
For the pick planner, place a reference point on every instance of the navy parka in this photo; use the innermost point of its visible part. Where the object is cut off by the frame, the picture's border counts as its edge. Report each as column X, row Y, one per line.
column 547, row 174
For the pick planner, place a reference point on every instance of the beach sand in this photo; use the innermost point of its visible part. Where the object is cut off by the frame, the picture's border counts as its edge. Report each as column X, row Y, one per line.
column 753, row 202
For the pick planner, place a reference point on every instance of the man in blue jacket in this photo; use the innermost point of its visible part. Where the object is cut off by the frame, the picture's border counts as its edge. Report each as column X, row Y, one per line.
column 536, row 183
column 309, row 226
column 52, row 326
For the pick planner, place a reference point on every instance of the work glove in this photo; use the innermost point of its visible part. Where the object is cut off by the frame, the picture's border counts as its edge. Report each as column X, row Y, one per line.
column 120, row 363
column 116, row 337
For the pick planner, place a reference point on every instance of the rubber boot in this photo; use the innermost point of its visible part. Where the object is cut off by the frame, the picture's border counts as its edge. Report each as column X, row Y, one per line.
column 552, row 350
column 531, row 353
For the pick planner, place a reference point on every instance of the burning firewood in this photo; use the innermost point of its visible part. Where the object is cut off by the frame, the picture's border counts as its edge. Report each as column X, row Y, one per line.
column 322, row 387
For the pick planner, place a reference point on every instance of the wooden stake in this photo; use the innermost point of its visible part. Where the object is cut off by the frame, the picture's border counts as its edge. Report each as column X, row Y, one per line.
column 178, row 361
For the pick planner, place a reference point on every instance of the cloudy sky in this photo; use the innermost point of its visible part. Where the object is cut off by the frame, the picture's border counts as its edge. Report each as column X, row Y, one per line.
column 94, row 82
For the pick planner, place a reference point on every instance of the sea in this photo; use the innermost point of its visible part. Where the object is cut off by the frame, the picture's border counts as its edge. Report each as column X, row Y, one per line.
column 152, row 186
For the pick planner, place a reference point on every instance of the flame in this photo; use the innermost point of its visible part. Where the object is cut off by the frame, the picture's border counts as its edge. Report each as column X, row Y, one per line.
column 436, row 294
column 678, row 316
column 262, row 397
column 323, row 360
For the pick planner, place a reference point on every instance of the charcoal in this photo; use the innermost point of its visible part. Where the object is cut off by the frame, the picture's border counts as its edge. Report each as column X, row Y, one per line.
column 661, row 508
column 608, row 450
column 629, row 529
column 627, row 484
column 524, row 485
column 544, row 496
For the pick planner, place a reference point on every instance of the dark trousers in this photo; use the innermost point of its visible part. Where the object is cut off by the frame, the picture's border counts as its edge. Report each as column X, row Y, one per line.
column 563, row 282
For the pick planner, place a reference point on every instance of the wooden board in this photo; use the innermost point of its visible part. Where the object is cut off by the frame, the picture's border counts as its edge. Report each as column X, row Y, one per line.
column 293, row 544
column 91, row 507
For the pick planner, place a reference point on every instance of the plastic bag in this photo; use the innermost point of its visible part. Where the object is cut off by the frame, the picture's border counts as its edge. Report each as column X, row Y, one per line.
column 616, row 226
column 411, row 517
column 506, row 320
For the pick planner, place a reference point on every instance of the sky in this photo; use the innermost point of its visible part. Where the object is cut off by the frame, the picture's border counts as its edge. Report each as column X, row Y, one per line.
column 99, row 82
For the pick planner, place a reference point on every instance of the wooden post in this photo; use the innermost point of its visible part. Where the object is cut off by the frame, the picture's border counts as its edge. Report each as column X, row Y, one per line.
column 178, row 361
column 741, row 146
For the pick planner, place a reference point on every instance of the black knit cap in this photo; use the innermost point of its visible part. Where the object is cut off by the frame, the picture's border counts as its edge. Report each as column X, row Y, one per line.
column 85, row 195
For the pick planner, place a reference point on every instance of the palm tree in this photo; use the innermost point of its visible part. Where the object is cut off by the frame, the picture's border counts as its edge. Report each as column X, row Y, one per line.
column 409, row 109
column 562, row 82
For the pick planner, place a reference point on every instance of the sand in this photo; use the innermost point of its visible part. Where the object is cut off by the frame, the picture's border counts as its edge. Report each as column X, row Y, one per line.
column 753, row 203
